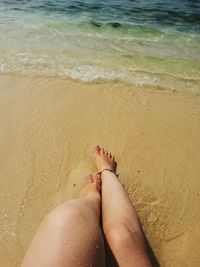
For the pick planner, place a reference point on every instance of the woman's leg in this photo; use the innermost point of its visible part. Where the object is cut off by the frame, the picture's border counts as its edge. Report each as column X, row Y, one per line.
column 121, row 225
column 70, row 235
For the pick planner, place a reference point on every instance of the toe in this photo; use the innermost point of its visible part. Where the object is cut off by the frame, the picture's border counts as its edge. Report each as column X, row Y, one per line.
column 97, row 183
column 96, row 148
column 89, row 178
column 96, row 178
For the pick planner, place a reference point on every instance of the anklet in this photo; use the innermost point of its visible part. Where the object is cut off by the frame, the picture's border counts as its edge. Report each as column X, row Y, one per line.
column 109, row 171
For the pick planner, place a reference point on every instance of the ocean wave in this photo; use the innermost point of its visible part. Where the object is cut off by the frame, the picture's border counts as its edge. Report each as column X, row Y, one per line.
column 92, row 48
column 91, row 73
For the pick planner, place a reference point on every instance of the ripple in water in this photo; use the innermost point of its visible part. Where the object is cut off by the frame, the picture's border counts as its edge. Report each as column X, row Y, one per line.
column 143, row 42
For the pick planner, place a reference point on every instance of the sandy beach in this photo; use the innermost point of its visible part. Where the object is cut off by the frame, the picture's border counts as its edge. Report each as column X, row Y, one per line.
column 48, row 127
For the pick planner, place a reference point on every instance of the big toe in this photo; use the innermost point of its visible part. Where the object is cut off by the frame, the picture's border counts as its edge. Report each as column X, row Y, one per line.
column 96, row 149
column 92, row 177
column 96, row 178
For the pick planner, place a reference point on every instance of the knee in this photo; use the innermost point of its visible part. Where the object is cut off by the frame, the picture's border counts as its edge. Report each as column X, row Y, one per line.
column 120, row 232
column 64, row 216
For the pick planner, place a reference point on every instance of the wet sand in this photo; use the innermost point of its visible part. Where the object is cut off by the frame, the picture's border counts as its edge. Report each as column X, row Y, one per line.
column 47, row 128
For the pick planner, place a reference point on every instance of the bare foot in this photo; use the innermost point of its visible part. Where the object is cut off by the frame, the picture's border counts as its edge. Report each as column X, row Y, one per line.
column 103, row 159
column 93, row 187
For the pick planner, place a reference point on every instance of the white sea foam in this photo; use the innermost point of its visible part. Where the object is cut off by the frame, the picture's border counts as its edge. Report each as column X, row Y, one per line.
column 25, row 63
column 82, row 50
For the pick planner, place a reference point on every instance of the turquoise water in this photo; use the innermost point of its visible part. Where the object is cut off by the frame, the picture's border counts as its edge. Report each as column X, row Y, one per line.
column 140, row 42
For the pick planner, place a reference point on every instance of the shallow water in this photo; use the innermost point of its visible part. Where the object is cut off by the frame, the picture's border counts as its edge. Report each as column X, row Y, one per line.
column 142, row 42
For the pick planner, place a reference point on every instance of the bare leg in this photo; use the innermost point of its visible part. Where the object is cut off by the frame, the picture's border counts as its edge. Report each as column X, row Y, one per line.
column 70, row 234
column 121, row 225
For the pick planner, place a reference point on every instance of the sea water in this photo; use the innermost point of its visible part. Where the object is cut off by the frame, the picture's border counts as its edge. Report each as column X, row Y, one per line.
column 147, row 42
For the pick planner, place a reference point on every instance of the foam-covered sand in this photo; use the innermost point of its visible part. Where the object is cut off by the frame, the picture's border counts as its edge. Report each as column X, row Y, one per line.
column 47, row 129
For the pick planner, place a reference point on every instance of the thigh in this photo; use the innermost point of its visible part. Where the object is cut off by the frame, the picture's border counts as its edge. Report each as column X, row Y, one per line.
column 69, row 236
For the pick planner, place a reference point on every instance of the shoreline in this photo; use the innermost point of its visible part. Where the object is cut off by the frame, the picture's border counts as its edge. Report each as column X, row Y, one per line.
column 150, row 81
column 101, row 81
column 48, row 126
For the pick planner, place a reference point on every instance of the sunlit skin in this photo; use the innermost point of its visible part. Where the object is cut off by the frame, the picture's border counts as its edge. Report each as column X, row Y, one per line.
column 70, row 234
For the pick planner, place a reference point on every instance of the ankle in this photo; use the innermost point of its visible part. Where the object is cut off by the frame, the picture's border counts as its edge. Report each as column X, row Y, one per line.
column 107, row 173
